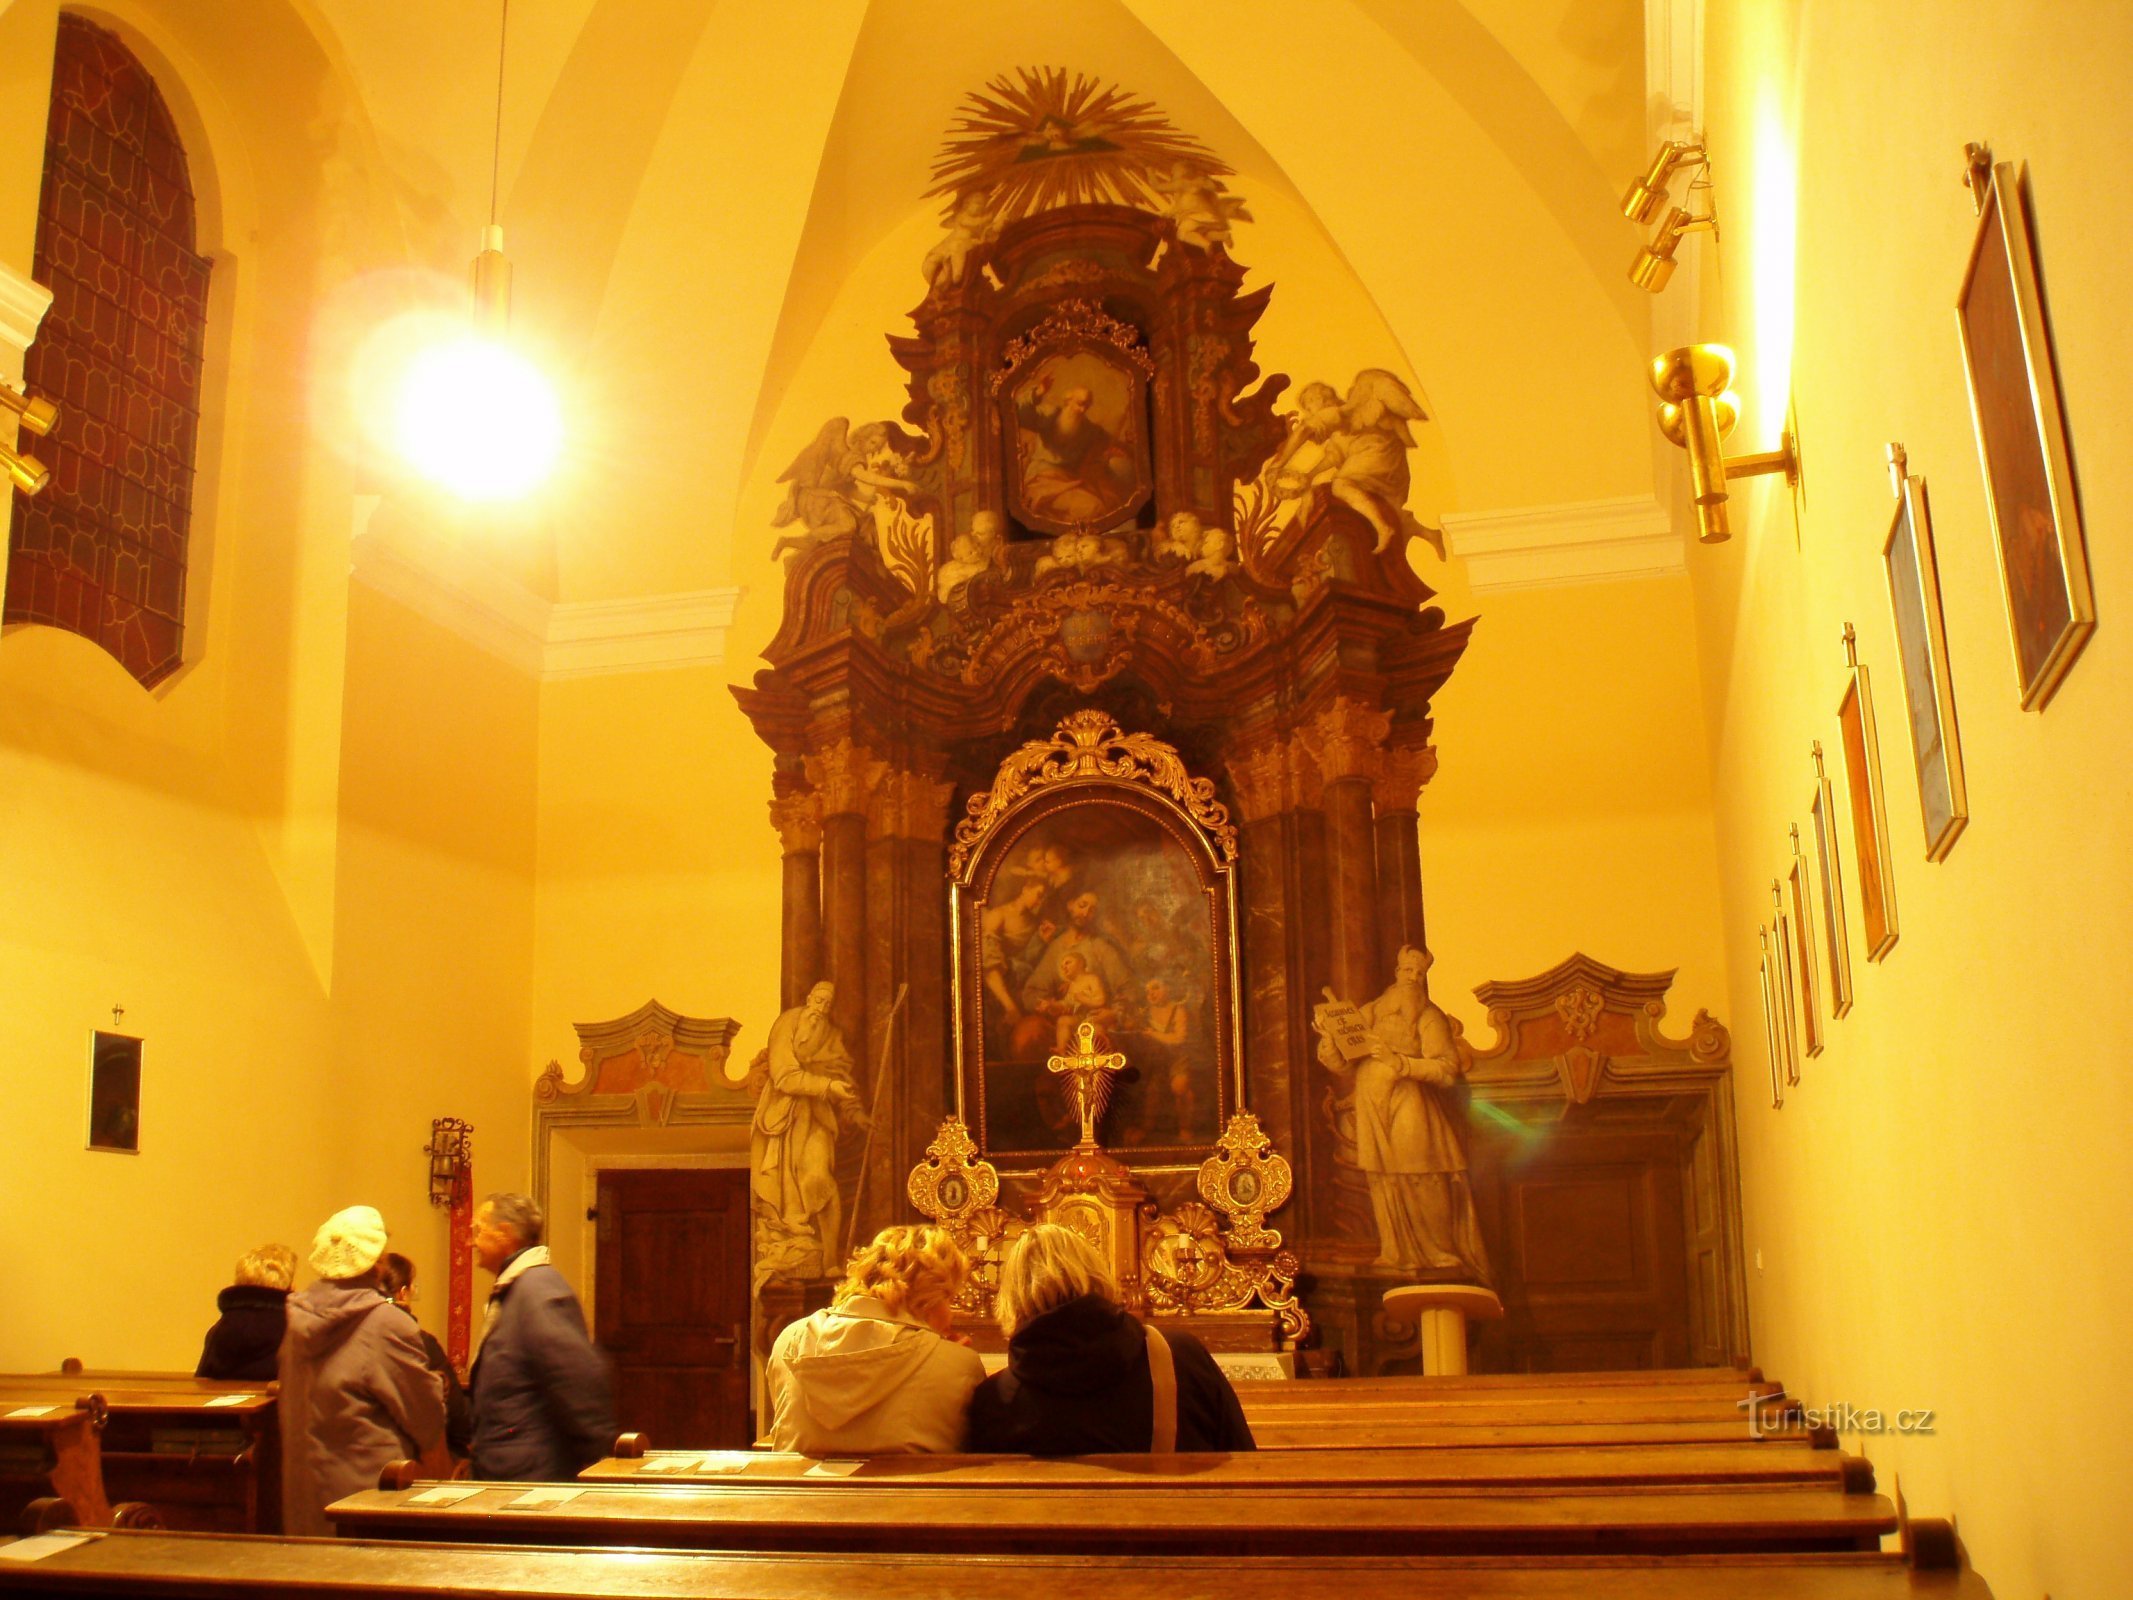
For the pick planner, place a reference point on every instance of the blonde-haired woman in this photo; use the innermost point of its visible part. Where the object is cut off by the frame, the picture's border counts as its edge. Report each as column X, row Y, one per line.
column 877, row 1373
column 1084, row 1375
column 244, row 1344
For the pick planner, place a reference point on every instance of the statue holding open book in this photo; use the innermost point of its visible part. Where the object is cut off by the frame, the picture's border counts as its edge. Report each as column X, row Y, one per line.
column 1399, row 1061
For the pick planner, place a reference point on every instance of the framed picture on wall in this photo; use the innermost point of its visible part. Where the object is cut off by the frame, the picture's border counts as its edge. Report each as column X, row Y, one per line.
column 115, row 1093
column 2021, row 443
column 1870, row 818
column 1799, row 911
column 1829, row 878
column 1788, row 988
column 1774, row 1045
column 1922, row 655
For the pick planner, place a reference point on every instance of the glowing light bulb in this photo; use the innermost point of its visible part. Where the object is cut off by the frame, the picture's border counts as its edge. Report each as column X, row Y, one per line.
column 479, row 418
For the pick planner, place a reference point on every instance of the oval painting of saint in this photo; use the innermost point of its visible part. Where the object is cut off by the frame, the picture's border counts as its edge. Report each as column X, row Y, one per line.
column 1097, row 914
column 1081, row 450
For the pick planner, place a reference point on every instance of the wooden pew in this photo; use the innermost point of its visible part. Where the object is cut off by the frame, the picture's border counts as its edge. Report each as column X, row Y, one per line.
column 204, row 1455
column 1175, row 1517
column 178, row 1566
column 1560, row 1466
column 51, row 1463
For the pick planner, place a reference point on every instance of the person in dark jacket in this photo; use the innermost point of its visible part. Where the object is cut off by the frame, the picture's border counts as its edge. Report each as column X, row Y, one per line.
column 355, row 1391
column 543, row 1406
column 245, row 1343
column 1077, row 1379
column 397, row 1282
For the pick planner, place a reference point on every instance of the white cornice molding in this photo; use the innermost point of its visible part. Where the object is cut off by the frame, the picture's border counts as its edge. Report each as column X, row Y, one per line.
column 459, row 591
column 453, row 588
column 589, row 637
column 23, row 303
column 1594, row 541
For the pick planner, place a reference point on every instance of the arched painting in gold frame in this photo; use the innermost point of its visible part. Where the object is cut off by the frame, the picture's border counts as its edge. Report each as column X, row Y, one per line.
column 1095, row 880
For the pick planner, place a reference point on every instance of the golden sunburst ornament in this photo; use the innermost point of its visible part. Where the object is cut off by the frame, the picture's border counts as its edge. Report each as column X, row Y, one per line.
column 1043, row 140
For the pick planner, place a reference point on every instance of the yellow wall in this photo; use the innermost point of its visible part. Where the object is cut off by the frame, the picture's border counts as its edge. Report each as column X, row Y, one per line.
column 1938, row 1211
column 303, row 864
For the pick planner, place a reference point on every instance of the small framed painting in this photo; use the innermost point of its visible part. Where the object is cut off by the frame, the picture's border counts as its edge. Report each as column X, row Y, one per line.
column 1788, row 988
column 1776, row 1048
column 1799, row 911
column 115, row 1093
column 1870, row 817
column 1922, row 654
column 1829, row 878
column 2021, row 443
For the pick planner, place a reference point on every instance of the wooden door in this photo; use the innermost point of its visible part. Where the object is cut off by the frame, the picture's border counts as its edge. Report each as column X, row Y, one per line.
column 1590, row 1245
column 671, row 1265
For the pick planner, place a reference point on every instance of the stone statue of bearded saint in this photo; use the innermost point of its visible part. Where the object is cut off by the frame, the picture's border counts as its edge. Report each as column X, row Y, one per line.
column 1407, row 1142
column 792, row 1145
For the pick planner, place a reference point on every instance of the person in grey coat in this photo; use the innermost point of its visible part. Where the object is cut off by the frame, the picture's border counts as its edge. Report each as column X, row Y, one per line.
column 356, row 1390
column 543, row 1406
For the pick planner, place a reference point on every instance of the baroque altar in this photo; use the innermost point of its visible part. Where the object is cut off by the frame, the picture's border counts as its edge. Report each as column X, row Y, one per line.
column 1096, row 535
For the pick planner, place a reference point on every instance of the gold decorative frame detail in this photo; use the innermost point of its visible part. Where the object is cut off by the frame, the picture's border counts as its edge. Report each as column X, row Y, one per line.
column 1774, row 1044
column 1829, row 874
column 1090, row 745
column 1799, row 909
column 2030, row 442
column 1091, row 760
column 1927, row 652
column 1869, row 808
column 1788, row 991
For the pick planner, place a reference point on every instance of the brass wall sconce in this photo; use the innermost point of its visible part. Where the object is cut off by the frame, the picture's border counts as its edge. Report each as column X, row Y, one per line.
column 1648, row 195
column 1698, row 409
column 38, row 416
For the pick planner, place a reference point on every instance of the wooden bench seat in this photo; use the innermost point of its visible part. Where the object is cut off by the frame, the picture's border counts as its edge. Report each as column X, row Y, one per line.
column 1166, row 1519
column 178, row 1566
column 203, row 1455
column 1326, row 1400
column 1376, row 1433
column 1562, row 1465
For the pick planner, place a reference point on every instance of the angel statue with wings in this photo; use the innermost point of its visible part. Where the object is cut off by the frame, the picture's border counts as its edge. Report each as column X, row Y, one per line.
column 1356, row 451
column 835, row 482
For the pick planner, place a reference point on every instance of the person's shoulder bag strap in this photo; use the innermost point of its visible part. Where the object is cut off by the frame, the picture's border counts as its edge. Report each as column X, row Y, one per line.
column 1163, row 1376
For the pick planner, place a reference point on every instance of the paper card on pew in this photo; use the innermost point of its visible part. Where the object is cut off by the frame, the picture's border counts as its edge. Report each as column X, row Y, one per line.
column 670, row 1464
column 446, row 1494
column 31, row 1411
column 42, row 1545
column 232, row 1399
column 833, row 1469
column 549, row 1495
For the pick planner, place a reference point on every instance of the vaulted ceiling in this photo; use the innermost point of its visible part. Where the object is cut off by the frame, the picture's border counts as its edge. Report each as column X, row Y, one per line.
column 714, row 209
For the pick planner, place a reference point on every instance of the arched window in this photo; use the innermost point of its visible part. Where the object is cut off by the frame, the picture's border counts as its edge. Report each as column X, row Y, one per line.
column 102, row 550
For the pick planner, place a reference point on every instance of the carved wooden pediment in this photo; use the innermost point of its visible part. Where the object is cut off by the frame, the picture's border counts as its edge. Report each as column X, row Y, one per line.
column 652, row 1060
column 1583, row 1026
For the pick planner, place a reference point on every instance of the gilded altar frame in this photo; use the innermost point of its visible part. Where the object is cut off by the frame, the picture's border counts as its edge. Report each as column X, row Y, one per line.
column 1091, row 762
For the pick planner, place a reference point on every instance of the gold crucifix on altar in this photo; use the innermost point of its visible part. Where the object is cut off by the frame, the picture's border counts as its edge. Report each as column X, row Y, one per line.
column 1090, row 1073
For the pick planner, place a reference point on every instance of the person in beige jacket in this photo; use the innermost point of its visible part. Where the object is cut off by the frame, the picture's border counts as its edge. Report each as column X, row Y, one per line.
column 878, row 1373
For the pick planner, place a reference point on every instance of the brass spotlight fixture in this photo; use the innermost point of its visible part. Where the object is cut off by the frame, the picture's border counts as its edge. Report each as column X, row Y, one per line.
column 1698, row 409
column 38, row 416
column 1647, row 196
column 1654, row 264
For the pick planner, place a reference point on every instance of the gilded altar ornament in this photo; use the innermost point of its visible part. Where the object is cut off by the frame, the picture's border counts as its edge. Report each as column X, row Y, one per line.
column 1245, row 1179
column 952, row 1185
column 1090, row 1074
column 1090, row 744
column 1698, row 409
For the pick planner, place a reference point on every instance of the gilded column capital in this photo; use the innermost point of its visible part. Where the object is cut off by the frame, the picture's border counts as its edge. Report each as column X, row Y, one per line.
column 1402, row 775
column 798, row 818
column 844, row 774
column 1347, row 740
column 1260, row 778
column 910, row 805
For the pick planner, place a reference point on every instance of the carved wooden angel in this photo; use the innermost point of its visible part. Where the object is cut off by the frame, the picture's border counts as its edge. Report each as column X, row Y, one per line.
column 835, row 481
column 1197, row 205
column 971, row 226
column 1356, row 451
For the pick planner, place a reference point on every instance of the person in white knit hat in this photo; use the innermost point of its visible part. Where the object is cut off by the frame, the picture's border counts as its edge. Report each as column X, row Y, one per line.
column 356, row 1391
